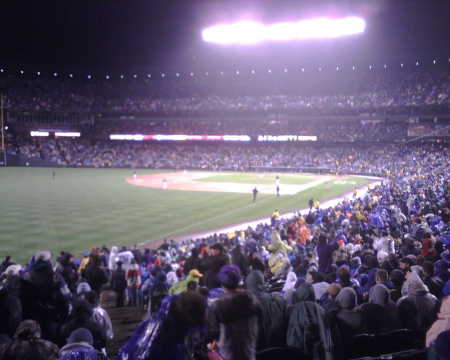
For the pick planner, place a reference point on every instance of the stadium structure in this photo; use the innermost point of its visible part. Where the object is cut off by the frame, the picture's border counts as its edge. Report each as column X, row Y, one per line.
column 278, row 188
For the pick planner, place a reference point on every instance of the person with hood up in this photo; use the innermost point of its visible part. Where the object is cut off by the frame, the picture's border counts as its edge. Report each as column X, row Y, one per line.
column 181, row 286
column 349, row 320
column 380, row 313
column 308, row 327
column 442, row 322
column 233, row 318
column 79, row 346
column 418, row 308
column 272, row 319
column 289, row 286
column 28, row 345
column 119, row 284
column 134, row 282
column 100, row 316
column 158, row 291
column 278, row 259
column 82, row 317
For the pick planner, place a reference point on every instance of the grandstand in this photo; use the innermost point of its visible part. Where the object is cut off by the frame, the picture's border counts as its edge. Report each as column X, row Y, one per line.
column 262, row 181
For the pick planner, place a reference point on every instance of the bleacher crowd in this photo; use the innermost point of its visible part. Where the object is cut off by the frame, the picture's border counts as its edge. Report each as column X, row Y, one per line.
column 379, row 159
column 382, row 91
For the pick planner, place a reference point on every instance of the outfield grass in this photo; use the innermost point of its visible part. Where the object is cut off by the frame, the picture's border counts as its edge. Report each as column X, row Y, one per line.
column 263, row 179
column 85, row 208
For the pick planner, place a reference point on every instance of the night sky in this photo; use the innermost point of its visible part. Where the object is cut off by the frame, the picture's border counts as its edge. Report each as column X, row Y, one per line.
column 164, row 35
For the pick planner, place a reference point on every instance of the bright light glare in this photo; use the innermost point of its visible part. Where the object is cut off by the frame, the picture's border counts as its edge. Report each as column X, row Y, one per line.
column 252, row 32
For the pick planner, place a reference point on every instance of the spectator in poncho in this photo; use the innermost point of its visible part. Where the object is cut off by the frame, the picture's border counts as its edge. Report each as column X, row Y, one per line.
column 272, row 319
column 308, row 327
column 418, row 308
column 181, row 286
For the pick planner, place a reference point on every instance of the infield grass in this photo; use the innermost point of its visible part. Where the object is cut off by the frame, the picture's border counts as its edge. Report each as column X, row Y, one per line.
column 85, row 208
column 259, row 178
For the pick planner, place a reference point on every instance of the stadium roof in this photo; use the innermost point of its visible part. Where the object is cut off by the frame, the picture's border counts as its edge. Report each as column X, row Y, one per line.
column 167, row 34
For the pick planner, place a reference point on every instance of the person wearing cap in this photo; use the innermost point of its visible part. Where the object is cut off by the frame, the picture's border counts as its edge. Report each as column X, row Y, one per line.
column 233, row 318
column 27, row 344
column 79, row 346
column 212, row 264
column 181, row 286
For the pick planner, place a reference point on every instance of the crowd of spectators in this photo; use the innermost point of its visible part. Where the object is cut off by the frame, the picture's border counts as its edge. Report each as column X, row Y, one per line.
column 381, row 160
column 314, row 282
column 381, row 91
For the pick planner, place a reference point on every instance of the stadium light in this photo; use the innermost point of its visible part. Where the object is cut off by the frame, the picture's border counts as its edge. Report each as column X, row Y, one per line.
column 38, row 73
column 55, row 74
column 2, row 70
column 71, row 75
column 21, row 71
column 252, row 32
column 89, row 76
column 149, row 75
column 303, row 69
column 177, row 74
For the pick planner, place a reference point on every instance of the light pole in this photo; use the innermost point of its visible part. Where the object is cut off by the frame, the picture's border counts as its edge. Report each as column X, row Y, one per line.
column 2, row 127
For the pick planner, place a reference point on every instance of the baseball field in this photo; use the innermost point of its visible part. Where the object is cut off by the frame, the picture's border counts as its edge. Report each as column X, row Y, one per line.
column 78, row 209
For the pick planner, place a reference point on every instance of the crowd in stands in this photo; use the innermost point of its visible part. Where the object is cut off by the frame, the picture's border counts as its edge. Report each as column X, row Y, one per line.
column 368, row 159
column 317, row 282
column 313, row 93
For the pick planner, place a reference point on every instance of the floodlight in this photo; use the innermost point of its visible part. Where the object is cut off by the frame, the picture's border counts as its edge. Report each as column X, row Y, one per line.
column 38, row 73
column 252, row 32
column 55, row 74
